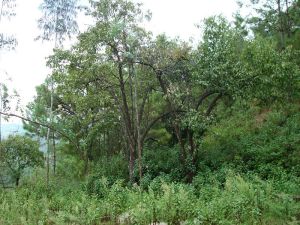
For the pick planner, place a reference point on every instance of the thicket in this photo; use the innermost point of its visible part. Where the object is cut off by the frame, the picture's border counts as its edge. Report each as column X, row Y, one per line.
column 248, row 174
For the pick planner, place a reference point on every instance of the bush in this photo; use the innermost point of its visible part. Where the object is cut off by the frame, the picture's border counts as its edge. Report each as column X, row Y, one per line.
column 113, row 168
column 160, row 161
column 247, row 202
column 264, row 142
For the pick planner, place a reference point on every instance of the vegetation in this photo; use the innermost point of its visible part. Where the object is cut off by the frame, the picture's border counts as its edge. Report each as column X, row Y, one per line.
column 18, row 153
column 148, row 130
column 237, row 201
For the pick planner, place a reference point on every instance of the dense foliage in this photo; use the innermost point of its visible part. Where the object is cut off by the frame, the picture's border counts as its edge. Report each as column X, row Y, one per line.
column 143, row 129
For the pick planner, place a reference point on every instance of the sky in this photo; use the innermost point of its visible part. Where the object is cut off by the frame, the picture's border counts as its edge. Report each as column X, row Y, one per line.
column 26, row 64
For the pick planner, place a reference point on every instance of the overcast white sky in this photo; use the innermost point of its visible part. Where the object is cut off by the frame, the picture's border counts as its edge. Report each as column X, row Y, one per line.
column 26, row 65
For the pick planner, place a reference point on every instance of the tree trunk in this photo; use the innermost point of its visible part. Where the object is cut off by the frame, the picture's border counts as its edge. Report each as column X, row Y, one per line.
column 138, row 127
column 288, row 20
column 191, row 173
column 17, row 181
column 48, row 131
column 48, row 158
column 281, row 25
column 86, row 163
column 131, row 162
column 54, row 154
column 128, row 124
column 182, row 156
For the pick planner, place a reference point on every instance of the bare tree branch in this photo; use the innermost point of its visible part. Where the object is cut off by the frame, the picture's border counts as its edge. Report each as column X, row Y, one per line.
column 156, row 120
column 206, row 94
column 213, row 104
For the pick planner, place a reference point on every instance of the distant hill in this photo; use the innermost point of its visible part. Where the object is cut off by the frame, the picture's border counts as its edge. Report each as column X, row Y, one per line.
column 17, row 128
column 12, row 128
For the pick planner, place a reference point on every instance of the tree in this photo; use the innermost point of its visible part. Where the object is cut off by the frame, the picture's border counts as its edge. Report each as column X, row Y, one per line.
column 7, row 11
column 192, row 82
column 57, row 22
column 7, row 42
column 274, row 74
column 18, row 153
column 276, row 19
column 3, row 103
column 106, row 55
